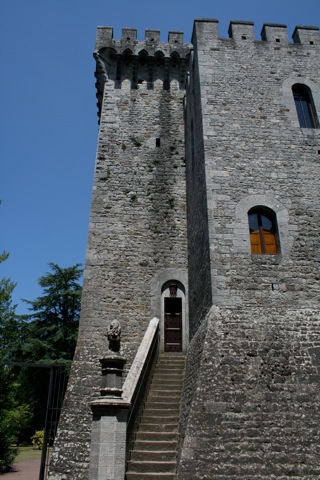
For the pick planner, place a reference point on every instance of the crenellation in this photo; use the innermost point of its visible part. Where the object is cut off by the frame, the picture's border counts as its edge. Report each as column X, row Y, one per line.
column 175, row 38
column 274, row 32
column 241, row 30
column 306, row 35
column 103, row 37
column 209, row 29
column 129, row 35
column 152, row 37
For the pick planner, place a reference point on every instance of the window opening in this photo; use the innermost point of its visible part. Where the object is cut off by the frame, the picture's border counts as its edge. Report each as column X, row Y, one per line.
column 157, row 142
column 263, row 231
column 305, row 108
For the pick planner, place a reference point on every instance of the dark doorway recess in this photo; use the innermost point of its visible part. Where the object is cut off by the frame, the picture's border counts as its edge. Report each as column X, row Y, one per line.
column 173, row 324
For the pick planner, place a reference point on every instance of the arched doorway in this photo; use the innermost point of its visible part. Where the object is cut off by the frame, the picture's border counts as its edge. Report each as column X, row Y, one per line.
column 173, row 317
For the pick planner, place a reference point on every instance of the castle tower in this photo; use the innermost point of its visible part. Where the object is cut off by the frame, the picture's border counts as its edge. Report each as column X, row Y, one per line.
column 251, row 404
column 137, row 246
column 207, row 182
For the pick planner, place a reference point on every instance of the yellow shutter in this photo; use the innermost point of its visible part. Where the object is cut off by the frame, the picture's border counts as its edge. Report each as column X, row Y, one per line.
column 270, row 242
column 255, row 242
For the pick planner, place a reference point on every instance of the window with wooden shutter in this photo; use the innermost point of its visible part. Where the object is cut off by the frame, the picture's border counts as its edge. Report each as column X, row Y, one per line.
column 263, row 231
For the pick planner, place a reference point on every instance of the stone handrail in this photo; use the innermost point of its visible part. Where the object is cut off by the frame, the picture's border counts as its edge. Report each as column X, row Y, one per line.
column 134, row 375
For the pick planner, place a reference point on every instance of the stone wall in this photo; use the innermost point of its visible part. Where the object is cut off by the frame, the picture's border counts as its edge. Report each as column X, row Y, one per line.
column 200, row 287
column 255, row 153
column 254, row 409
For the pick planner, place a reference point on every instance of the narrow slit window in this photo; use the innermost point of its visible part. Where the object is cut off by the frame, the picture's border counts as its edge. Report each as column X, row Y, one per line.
column 264, row 238
column 304, row 106
column 157, row 142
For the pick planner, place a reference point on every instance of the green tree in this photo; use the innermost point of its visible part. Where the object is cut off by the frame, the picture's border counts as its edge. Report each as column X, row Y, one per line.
column 52, row 329
column 7, row 454
column 9, row 324
column 13, row 417
column 47, row 335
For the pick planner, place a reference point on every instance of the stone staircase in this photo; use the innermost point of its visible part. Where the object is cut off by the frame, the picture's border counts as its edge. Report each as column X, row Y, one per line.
column 154, row 452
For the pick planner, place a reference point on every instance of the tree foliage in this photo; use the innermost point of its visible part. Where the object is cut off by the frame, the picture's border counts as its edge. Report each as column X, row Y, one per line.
column 9, row 325
column 7, row 454
column 51, row 332
column 47, row 335
column 8, row 411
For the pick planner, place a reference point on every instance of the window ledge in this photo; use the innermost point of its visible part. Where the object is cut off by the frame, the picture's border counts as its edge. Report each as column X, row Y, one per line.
column 310, row 131
column 266, row 259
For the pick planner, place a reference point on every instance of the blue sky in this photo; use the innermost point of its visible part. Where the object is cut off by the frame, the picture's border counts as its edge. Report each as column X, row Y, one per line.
column 48, row 116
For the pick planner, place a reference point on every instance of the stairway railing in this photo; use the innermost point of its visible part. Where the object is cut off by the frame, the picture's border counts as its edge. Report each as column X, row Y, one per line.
column 135, row 380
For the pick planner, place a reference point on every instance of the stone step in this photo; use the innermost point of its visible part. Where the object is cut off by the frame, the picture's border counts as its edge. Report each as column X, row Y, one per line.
column 158, row 411
column 169, row 367
column 167, row 377
column 179, row 360
column 166, row 388
column 158, row 405
column 171, row 364
column 149, row 467
column 153, row 445
column 152, row 419
column 157, row 436
column 154, row 456
column 172, row 354
column 164, row 396
column 150, row 476
column 167, row 382
column 158, row 427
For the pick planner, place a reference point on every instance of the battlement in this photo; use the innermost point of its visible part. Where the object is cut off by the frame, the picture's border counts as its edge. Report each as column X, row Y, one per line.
column 150, row 44
column 240, row 31
column 141, row 63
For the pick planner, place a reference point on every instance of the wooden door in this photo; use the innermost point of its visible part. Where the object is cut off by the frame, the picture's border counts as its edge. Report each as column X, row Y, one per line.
column 173, row 324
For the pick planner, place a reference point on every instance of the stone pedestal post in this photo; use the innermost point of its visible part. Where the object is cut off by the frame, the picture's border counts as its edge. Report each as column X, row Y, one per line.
column 109, row 423
column 108, row 440
column 111, row 369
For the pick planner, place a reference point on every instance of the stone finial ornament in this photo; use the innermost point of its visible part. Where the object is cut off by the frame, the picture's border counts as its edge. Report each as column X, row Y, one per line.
column 114, row 334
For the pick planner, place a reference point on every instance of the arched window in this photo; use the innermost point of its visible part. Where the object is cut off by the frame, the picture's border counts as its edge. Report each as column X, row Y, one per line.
column 264, row 237
column 305, row 107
